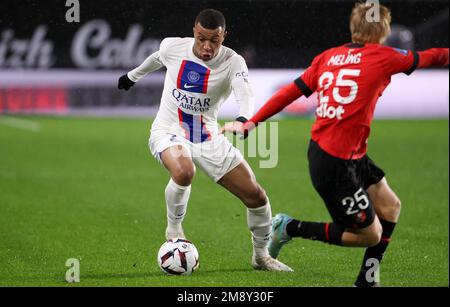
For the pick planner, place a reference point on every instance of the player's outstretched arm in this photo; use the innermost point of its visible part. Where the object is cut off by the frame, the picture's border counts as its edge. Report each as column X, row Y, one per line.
column 152, row 63
column 433, row 57
column 282, row 98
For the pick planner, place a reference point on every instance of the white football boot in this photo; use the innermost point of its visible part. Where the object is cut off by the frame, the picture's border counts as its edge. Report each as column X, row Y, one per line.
column 269, row 264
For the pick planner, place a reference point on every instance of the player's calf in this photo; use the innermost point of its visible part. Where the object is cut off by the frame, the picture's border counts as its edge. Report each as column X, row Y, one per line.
column 259, row 221
column 178, row 190
column 388, row 206
column 366, row 237
column 335, row 233
column 242, row 183
column 177, row 198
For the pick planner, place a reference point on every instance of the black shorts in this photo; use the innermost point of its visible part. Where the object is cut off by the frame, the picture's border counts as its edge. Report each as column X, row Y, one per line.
column 342, row 184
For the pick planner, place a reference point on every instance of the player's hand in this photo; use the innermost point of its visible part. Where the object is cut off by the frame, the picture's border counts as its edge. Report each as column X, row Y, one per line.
column 125, row 83
column 237, row 127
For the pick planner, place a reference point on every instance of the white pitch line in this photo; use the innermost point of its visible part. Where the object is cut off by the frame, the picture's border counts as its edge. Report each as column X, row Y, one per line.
column 19, row 123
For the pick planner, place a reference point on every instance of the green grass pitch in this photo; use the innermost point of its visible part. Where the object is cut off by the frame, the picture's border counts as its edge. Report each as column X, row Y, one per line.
column 89, row 189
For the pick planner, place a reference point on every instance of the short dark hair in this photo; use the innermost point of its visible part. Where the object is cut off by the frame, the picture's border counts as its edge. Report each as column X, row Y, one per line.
column 210, row 19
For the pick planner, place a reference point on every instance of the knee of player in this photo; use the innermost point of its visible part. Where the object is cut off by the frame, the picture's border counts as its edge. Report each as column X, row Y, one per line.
column 397, row 204
column 375, row 237
column 257, row 197
column 392, row 209
column 260, row 196
column 183, row 176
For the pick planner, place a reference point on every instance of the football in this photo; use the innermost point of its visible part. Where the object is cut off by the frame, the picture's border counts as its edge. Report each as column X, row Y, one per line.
column 178, row 257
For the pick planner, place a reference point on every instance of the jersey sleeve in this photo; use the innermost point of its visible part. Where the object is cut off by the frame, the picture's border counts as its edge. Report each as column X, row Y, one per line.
column 164, row 48
column 400, row 61
column 433, row 57
column 152, row 63
column 307, row 82
column 241, row 87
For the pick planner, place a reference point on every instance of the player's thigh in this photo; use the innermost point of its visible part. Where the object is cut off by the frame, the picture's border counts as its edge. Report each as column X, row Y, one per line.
column 348, row 204
column 178, row 161
column 386, row 203
column 216, row 157
column 224, row 164
column 174, row 154
column 337, row 183
column 241, row 182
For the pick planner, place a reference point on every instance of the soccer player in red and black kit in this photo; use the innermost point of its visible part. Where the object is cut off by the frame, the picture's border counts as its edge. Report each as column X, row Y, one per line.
column 349, row 80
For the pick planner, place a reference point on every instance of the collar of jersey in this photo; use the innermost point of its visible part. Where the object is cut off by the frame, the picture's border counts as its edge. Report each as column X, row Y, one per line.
column 355, row 45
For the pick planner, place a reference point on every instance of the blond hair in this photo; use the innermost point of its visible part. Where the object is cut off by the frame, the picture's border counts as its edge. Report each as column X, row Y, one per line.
column 365, row 28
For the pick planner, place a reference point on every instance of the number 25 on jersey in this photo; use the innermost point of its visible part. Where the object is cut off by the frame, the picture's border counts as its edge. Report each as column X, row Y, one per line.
column 331, row 87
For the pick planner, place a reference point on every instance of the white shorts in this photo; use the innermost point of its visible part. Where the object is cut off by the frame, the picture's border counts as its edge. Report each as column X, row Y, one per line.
column 215, row 158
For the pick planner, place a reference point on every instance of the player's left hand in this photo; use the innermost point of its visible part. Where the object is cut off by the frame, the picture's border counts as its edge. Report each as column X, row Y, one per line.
column 125, row 83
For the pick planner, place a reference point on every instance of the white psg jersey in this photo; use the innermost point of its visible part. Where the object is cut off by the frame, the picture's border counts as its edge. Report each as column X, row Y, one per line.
column 194, row 89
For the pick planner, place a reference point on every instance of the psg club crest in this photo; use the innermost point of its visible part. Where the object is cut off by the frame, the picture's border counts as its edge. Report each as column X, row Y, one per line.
column 193, row 77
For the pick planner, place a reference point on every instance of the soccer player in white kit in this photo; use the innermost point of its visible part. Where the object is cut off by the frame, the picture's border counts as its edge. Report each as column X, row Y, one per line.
column 201, row 74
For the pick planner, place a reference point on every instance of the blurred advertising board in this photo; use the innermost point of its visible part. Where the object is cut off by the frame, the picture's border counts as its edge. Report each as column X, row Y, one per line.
column 424, row 94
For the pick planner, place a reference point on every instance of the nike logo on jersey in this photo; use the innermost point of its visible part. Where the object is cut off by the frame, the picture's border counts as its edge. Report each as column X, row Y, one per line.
column 189, row 86
column 193, row 77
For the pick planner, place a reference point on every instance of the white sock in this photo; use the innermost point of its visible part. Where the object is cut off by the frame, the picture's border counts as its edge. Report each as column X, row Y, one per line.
column 259, row 221
column 177, row 198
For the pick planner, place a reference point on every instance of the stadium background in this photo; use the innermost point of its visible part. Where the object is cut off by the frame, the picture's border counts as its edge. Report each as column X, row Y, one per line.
column 70, row 177
column 85, row 58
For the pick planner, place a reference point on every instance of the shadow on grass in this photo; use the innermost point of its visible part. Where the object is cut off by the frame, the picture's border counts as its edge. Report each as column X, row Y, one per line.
column 160, row 274
column 59, row 279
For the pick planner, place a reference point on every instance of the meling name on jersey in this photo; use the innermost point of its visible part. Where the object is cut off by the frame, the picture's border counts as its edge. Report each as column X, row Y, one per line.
column 342, row 59
column 191, row 103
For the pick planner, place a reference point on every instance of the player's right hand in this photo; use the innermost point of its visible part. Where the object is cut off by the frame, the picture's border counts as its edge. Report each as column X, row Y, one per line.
column 125, row 83
column 237, row 127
